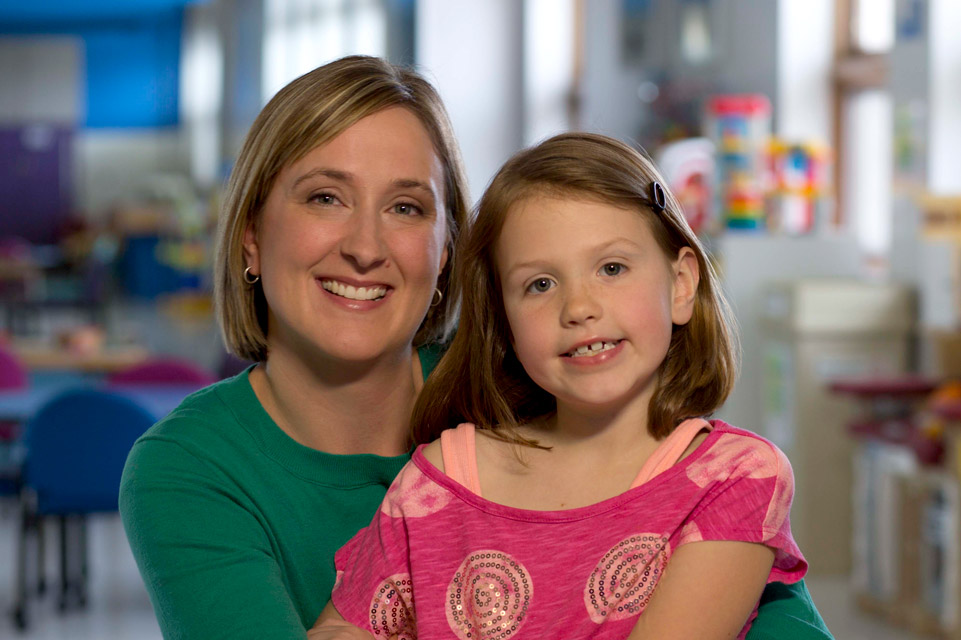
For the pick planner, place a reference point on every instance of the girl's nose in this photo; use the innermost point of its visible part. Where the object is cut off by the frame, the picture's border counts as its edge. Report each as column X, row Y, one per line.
column 363, row 241
column 580, row 306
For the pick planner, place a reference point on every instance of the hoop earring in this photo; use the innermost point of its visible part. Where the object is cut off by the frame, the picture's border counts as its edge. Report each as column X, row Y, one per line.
column 250, row 279
column 437, row 297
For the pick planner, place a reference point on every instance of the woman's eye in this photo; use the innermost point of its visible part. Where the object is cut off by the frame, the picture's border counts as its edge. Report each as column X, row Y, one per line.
column 540, row 285
column 407, row 209
column 612, row 269
column 324, row 198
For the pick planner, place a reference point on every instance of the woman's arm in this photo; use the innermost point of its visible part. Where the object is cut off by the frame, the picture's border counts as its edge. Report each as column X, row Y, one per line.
column 205, row 559
column 708, row 591
column 787, row 612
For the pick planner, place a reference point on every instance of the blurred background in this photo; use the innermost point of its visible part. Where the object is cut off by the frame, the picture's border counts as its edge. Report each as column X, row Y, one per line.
column 813, row 143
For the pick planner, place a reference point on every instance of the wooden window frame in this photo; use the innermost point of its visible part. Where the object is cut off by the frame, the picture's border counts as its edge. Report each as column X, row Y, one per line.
column 854, row 71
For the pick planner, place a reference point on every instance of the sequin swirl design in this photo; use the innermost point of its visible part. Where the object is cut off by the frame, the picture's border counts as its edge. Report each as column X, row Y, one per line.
column 414, row 495
column 622, row 582
column 488, row 597
column 392, row 608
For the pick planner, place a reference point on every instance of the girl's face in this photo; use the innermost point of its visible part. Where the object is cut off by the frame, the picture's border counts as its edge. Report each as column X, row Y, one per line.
column 351, row 241
column 591, row 299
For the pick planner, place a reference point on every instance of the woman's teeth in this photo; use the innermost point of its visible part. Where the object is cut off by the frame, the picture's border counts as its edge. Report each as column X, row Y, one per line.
column 592, row 349
column 353, row 293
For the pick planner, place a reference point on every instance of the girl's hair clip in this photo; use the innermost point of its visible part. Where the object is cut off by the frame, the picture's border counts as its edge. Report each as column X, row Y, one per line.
column 658, row 199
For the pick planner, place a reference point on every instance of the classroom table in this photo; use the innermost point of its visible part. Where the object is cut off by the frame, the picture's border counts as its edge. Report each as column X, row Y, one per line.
column 40, row 356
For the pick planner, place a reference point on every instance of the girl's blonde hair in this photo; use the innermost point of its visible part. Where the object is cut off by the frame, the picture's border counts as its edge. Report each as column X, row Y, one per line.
column 308, row 112
column 480, row 379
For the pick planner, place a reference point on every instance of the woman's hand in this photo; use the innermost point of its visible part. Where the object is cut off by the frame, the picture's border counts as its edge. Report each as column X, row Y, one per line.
column 331, row 625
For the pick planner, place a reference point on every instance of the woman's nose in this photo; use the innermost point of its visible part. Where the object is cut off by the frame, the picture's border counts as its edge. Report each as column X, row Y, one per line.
column 363, row 241
column 580, row 306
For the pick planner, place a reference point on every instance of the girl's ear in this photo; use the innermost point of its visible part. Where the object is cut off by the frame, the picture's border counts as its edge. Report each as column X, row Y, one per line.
column 686, row 277
column 251, row 249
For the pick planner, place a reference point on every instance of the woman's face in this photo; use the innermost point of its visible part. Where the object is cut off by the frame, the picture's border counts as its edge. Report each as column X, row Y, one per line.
column 351, row 241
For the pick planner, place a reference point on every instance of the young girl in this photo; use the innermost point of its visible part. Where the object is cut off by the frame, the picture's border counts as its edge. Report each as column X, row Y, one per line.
column 583, row 494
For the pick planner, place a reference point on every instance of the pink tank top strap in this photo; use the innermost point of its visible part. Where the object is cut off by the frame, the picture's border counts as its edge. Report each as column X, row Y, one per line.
column 669, row 452
column 457, row 447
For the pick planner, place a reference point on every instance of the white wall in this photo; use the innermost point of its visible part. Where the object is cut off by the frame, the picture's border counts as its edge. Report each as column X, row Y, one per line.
column 748, row 52
column 945, row 97
column 472, row 52
column 608, row 91
column 41, row 80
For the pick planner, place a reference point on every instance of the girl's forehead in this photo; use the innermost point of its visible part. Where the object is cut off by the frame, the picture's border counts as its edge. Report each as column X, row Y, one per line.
column 573, row 209
column 544, row 226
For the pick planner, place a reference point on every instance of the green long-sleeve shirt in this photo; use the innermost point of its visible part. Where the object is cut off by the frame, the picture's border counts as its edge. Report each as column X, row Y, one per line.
column 234, row 525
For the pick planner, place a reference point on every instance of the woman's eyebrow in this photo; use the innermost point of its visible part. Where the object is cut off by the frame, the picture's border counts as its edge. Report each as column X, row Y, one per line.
column 334, row 174
column 344, row 176
column 410, row 183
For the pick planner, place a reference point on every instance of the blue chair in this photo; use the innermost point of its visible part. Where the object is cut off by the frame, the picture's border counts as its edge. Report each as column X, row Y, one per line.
column 76, row 446
column 13, row 375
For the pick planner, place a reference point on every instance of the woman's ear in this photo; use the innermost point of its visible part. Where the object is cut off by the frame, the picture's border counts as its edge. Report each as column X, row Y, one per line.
column 443, row 258
column 251, row 249
column 687, row 275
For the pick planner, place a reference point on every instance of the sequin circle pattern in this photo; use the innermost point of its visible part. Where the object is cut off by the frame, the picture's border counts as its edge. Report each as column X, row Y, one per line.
column 622, row 582
column 392, row 608
column 488, row 597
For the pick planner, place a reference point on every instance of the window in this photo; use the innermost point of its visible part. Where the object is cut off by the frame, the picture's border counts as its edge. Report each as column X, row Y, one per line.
column 863, row 121
column 303, row 34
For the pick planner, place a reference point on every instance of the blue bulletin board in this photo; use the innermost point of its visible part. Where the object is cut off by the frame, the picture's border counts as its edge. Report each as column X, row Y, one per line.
column 131, row 54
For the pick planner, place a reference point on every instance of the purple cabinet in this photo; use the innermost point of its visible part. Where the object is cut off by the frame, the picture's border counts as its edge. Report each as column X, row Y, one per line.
column 35, row 181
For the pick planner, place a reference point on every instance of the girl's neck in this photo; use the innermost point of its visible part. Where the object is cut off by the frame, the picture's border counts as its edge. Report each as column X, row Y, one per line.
column 618, row 428
column 591, row 457
column 340, row 408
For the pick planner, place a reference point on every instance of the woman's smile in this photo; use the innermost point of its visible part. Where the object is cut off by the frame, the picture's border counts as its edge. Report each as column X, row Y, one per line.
column 372, row 292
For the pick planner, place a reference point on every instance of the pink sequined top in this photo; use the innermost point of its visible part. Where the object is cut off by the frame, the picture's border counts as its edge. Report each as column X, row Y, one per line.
column 440, row 561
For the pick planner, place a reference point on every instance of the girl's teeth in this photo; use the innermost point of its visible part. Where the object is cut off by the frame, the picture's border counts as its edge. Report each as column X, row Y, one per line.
column 593, row 349
column 354, row 293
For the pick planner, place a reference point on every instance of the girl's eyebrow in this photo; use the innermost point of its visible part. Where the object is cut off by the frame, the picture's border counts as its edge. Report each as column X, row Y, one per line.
column 537, row 265
column 344, row 176
column 601, row 248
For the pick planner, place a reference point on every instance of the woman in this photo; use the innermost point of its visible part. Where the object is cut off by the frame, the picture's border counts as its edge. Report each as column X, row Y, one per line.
column 332, row 273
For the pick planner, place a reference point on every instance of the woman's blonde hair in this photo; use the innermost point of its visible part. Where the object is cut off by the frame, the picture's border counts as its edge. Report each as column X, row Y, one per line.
column 308, row 112
column 480, row 379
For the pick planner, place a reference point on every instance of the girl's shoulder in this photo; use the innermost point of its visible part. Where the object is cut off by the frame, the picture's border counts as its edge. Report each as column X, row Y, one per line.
column 434, row 454
column 743, row 452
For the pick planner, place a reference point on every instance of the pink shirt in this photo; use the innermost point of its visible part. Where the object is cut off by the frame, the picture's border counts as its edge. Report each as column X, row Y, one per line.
column 439, row 561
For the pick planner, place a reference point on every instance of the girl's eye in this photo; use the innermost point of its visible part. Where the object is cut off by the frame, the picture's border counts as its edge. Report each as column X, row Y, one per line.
column 540, row 285
column 407, row 209
column 612, row 269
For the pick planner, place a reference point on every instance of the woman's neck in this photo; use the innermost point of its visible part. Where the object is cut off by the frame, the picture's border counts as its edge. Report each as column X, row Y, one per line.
column 340, row 408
